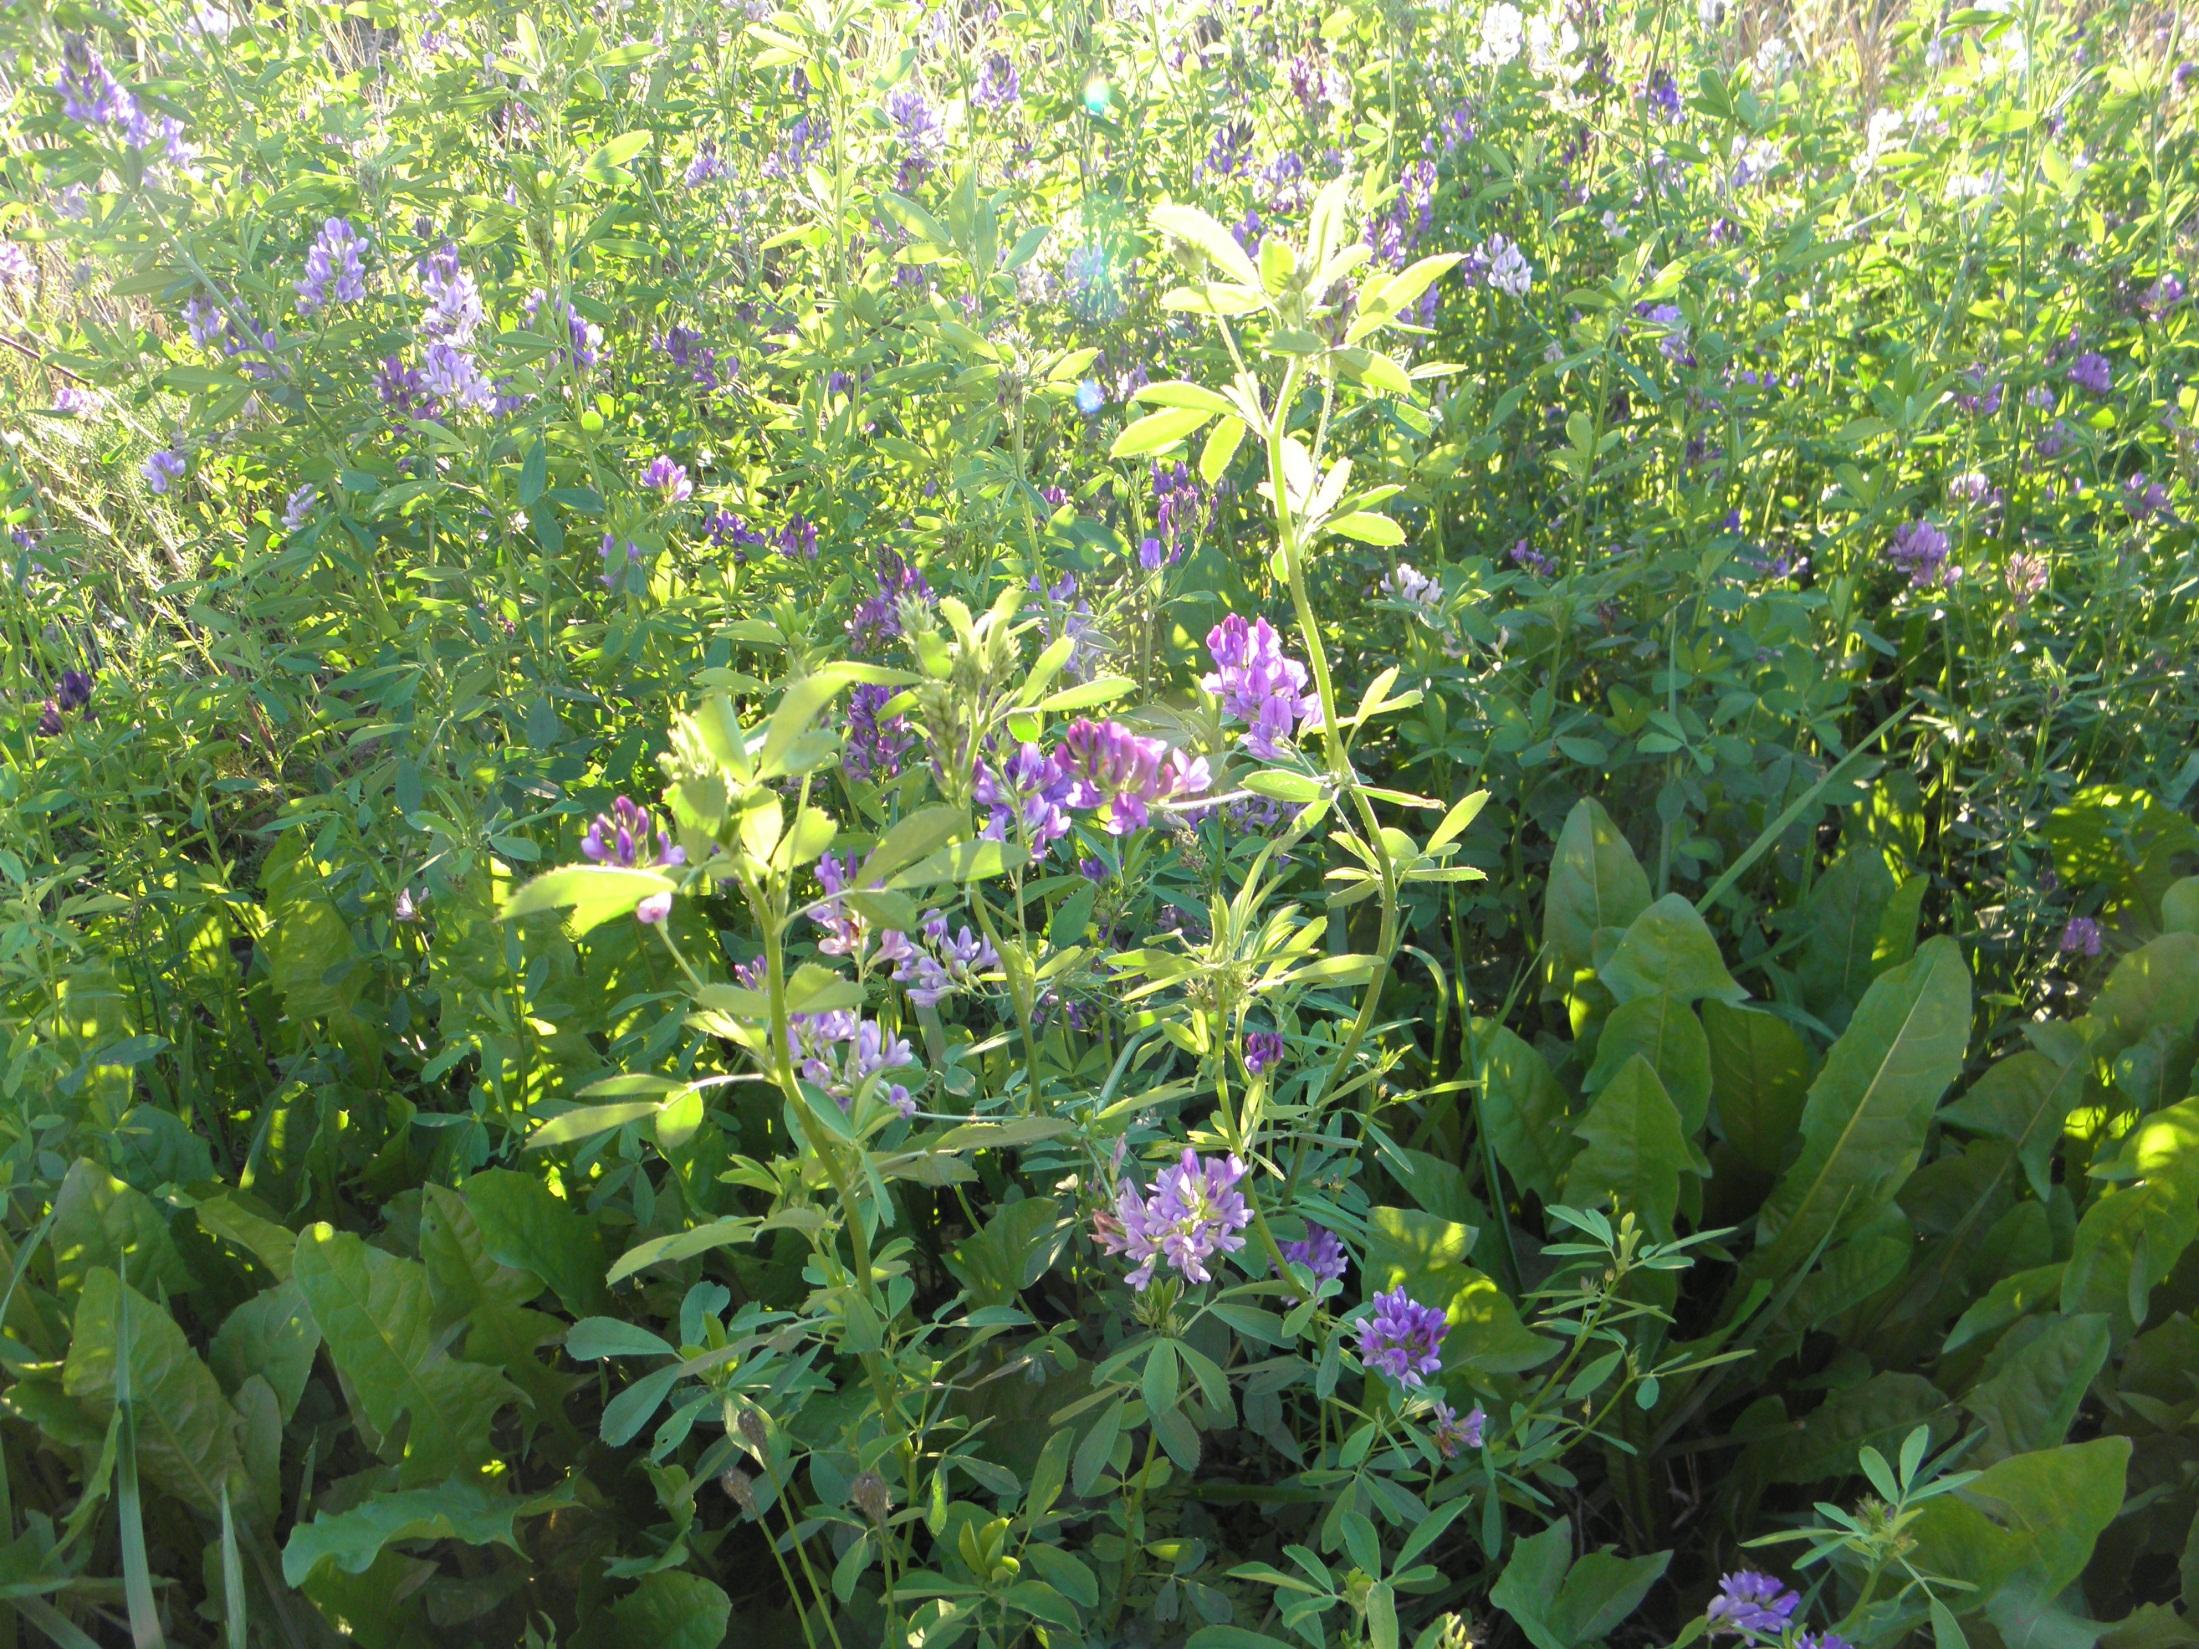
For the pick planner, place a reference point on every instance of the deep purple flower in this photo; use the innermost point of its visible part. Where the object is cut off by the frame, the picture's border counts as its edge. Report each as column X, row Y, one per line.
column 402, row 389
column 2092, row 373
column 74, row 690
column 874, row 746
column 1193, row 1212
column 706, row 167
column 1524, row 555
column 1115, row 771
column 163, row 469
column 621, row 837
column 1662, row 93
column 335, row 268
column 666, row 477
column 299, row 507
column 1452, row 1431
column 2144, row 499
column 1321, row 1253
column 1822, row 1640
column 877, row 619
column 1748, row 1601
column 1026, row 790
column 724, row 527
column 1919, row 549
column 1182, row 507
column 49, row 720
column 798, row 538
column 1258, row 683
column 1262, row 1049
column 2081, row 937
column 2162, row 296
column 1402, row 1338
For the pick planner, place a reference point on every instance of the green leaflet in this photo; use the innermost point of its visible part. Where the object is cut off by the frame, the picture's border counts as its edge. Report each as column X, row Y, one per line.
column 1633, row 1151
column 271, row 1335
column 1595, row 882
column 458, row 1510
column 1864, row 1123
column 1559, row 1603
column 186, row 1444
column 375, row 1314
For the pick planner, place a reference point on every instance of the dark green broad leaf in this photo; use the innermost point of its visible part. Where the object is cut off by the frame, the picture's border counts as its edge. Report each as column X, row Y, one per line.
column 271, row 1335
column 1633, row 1152
column 2024, row 1099
column 1522, row 1108
column 671, row 1610
column 526, row 1225
column 1759, row 1078
column 1880, row 1412
column 2138, row 1226
column 460, row 1509
column 2026, row 1524
column 2029, row 1391
column 377, row 1318
column 1663, row 1030
column 99, row 1221
column 1668, row 948
column 1865, row 1121
column 124, row 1344
column 1595, row 882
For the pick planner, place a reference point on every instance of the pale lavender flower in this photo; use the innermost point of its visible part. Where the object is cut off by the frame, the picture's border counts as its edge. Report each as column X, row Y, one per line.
column 335, row 268
column 620, row 557
column 669, row 478
column 89, row 94
column 2025, row 577
column 1749, row 1601
column 450, row 374
column 455, row 311
column 163, row 469
column 1452, row 1431
column 1508, row 269
column 16, row 268
column 1258, row 683
column 1402, row 1338
column 999, row 86
column 1407, row 583
column 841, row 1052
column 583, row 338
column 1193, row 1212
column 72, row 402
column 298, row 508
column 1919, row 549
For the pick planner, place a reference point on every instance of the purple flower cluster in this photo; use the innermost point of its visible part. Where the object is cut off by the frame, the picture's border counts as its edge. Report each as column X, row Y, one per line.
column 335, row 268
column 72, row 692
column 1320, row 1253
column 1750, row 1602
column 724, row 527
column 1193, row 1212
column 999, row 86
column 918, row 132
column 2142, row 498
column 874, row 745
column 163, row 469
column 1029, row 791
column 1402, row 1338
column 877, row 618
column 668, row 478
column 805, row 140
column 1263, row 1049
column 583, row 338
column 2081, row 937
column 621, row 838
column 298, row 507
column 1453, row 1431
column 797, row 540
column 1919, row 549
column 1120, row 774
column 947, row 962
column 1258, row 683
column 454, row 310
column 2091, row 373
column 841, row 1052
column 16, row 268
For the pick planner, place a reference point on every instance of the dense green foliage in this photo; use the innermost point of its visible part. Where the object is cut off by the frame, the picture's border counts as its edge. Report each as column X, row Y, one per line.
column 1640, row 1022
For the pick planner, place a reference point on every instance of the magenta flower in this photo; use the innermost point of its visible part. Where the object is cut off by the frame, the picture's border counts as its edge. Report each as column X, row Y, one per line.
column 1193, row 1212
column 1121, row 774
column 1258, row 683
column 1402, row 1338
